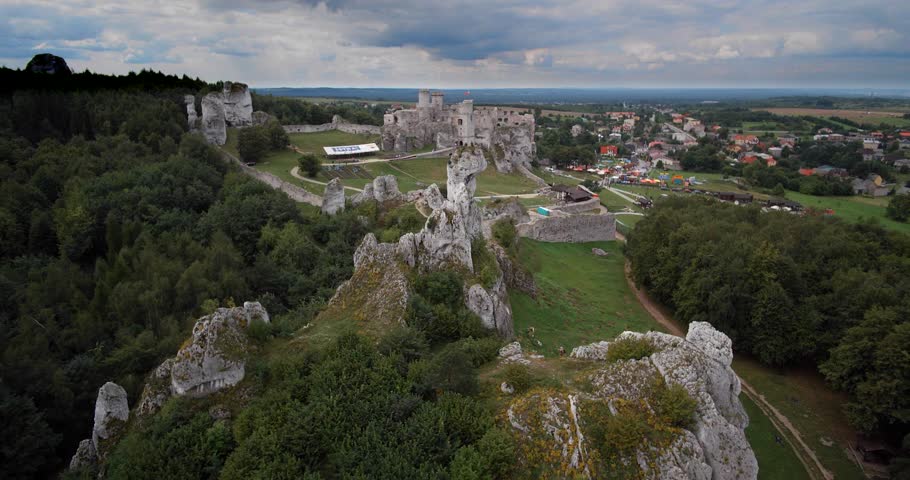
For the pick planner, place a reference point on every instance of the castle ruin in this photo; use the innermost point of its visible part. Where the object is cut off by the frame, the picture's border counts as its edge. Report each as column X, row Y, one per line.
column 507, row 133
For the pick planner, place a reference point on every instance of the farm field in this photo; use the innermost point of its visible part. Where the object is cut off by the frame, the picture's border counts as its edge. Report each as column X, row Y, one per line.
column 582, row 299
column 860, row 116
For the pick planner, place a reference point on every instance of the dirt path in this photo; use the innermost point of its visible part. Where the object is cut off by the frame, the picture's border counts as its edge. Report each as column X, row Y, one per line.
column 806, row 455
column 295, row 172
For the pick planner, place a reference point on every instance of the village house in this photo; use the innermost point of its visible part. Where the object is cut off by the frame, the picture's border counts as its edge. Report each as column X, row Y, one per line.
column 609, row 150
column 745, row 140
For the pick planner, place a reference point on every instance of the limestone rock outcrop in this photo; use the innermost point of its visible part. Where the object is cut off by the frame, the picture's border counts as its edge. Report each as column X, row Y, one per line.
column 192, row 117
column 231, row 107
column 712, row 446
column 333, row 198
column 214, row 126
column 111, row 414
column 444, row 243
column 238, row 104
column 383, row 188
column 214, row 358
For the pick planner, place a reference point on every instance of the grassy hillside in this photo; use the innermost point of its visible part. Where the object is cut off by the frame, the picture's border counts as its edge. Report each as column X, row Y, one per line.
column 582, row 298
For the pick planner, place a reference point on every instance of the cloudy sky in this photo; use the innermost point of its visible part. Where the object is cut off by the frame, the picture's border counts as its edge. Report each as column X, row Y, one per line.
column 475, row 43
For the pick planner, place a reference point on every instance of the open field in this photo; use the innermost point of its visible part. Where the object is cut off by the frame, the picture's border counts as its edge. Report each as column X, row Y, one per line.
column 873, row 117
column 812, row 407
column 853, row 209
column 582, row 299
column 776, row 461
column 313, row 142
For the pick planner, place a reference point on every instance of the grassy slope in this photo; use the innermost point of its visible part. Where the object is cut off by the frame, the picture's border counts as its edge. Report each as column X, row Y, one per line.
column 813, row 408
column 852, row 209
column 313, row 142
column 776, row 461
column 582, row 298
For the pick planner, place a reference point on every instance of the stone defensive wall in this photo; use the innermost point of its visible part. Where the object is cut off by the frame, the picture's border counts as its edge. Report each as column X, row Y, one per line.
column 344, row 127
column 570, row 228
column 585, row 206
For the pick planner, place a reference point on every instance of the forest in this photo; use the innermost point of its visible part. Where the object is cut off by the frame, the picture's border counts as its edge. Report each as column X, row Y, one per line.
column 119, row 229
column 789, row 290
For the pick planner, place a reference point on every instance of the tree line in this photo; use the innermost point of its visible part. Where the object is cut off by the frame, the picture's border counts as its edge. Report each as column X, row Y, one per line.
column 790, row 289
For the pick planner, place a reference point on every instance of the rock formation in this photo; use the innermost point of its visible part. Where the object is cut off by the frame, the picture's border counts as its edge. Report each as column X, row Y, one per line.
column 712, row 446
column 192, row 118
column 49, row 64
column 382, row 189
column 444, row 243
column 213, row 359
column 238, row 104
column 231, row 107
column 333, row 198
column 214, row 127
column 111, row 414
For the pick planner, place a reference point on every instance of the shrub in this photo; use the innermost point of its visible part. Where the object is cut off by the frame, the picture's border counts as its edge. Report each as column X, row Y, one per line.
column 504, row 232
column 518, row 376
column 673, row 405
column 443, row 287
column 491, row 457
column 486, row 268
column 480, row 350
column 410, row 343
column 310, row 164
column 259, row 332
column 629, row 349
column 899, row 208
column 449, row 370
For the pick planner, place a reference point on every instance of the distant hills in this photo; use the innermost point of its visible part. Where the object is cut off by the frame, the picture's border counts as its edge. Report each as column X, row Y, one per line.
column 580, row 95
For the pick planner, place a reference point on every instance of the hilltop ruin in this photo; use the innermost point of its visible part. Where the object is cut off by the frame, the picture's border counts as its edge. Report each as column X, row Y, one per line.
column 507, row 133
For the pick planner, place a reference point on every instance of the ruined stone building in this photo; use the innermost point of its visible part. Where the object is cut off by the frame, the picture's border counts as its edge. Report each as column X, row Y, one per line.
column 506, row 132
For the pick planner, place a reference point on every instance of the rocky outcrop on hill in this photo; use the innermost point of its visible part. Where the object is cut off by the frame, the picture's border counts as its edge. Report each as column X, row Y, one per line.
column 444, row 243
column 333, row 198
column 214, row 358
column 214, row 127
column 711, row 446
column 382, row 189
column 238, row 104
column 231, row 107
column 111, row 414
column 192, row 118
column 49, row 64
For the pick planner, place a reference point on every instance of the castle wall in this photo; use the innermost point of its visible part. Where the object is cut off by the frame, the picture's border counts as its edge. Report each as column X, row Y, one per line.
column 571, row 228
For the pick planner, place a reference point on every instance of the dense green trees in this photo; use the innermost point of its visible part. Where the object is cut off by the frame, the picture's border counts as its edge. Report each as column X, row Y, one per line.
column 899, row 208
column 254, row 143
column 296, row 111
column 118, row 230
column 789, row 289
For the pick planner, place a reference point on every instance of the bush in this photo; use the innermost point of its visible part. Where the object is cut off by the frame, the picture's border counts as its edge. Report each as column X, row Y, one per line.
column 310, row 164
column 259, row 332
column 410, row 343
column 518, row 376
column 443, row 287
column 504, row 232
column 486, row 268
column 673, row 405
column 491, row 457
column 480, row 350
column 450, row 370
column 629, row 349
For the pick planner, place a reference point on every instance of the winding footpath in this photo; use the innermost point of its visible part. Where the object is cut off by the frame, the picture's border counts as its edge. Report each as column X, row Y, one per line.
column 803, row 451
column 295, row 172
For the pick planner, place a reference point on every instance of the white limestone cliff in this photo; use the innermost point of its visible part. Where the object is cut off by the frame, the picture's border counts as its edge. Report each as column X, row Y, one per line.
column 333, row 198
